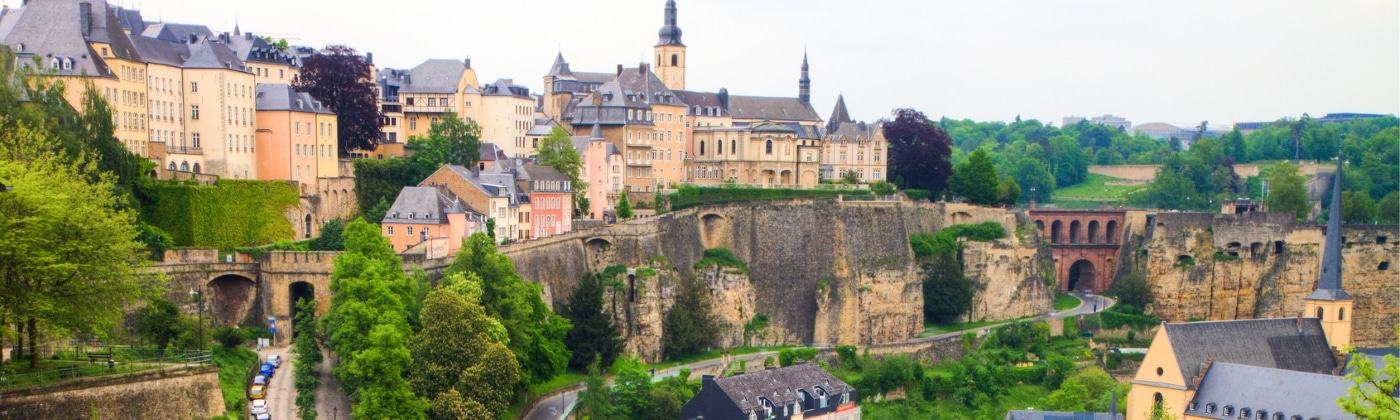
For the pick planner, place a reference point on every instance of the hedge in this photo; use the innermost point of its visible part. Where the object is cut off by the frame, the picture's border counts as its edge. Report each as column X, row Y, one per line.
column 688, row 196
column 226, row 215
column 946, row 240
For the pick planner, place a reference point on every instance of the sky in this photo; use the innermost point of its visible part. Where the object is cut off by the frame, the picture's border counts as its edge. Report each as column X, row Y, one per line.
column 1149, row 61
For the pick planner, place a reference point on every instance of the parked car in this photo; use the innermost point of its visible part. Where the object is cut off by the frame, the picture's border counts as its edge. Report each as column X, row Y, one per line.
column 275, row 360
column 257, row 392
column 267, row 370
column 259, row 380
column 258, row 407
column 263, row 416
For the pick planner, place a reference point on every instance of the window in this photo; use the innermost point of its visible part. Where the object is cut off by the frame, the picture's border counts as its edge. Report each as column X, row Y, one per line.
column 388, row 230
column 194, row 112
column 194, row 86
column 1229, row 410
column 1319, row 312
column 702, row 148
column 1341, row 314
column 1385, row 265
column 412, row 121
column 194, row 138
column 298, row 131
column 1159, row 373
column 1244, row 413
column 768, row 149
column 1210, row 408
column 409, row 229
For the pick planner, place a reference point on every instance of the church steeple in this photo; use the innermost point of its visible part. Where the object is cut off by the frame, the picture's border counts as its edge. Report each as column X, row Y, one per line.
column 670, row 51
column 804, row 84
column 1329, row 302
column 839, row 115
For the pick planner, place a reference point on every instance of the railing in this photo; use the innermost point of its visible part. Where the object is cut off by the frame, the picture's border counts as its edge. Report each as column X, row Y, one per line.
column 91, row 363
column 183, row 150
column 872, row 198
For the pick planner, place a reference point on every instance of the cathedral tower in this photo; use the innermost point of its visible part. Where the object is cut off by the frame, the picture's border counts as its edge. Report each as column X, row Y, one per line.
column 670, row 52
column 1329, row 302
column 804, row 85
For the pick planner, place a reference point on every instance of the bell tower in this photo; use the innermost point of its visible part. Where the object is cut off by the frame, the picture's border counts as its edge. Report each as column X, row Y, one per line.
column 670, row 51
column 1329, row 303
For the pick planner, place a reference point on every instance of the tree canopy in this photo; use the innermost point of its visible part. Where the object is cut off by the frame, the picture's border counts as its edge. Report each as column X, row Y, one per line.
column 557, row 151
column 461, row 364
column 594, row 334
column 976, row 179
column 919, row 151
column 1286, row 192
column 450, row 141
column 341, row 79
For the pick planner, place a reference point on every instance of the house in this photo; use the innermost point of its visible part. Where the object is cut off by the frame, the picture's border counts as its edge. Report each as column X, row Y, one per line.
column 430, row 215
column 1256, row 369
column 551, row 200
column 296, row 137
column 850, row 146
column 494, row 194
column 802, row 391
column 602, row 169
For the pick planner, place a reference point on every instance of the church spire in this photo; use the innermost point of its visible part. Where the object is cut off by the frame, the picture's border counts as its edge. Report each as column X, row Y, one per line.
column 670, row 33
column 1329, row 280
column 839, row 115
column 804, row 84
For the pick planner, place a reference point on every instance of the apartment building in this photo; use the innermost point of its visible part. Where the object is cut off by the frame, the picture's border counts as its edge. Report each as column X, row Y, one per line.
column 295, row 136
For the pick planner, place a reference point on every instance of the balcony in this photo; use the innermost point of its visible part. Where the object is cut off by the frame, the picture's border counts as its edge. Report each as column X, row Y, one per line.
column 638, row 162
column 183, row 150
column 389, row 108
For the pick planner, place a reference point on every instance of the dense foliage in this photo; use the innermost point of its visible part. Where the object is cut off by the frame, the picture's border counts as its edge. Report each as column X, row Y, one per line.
column 635, row 393
column 229, row 214
column 721, row 257
column 594, row 334
column 461, row 364
column 687, row 196
column 691, row 326
column 450, row 141
column 344, row 82
column 367, row 326
column 378, row 182
column 308, row 359
column 920, row 151
column 536, row 334
column 975, row 179
column 557, row 151
column 1132, row 290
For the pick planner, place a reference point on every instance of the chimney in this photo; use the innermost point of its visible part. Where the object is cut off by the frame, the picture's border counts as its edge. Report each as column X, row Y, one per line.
column 194, row 38
column 642, row 68
column 369, row 58
column 476, row 171
column 724, row 98
column 84, row 18
column 467, row 62
column 619, row 70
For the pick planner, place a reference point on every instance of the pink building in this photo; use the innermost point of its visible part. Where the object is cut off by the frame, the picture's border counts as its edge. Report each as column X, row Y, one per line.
column 602, row 170
column 424, row 215
column 551, row 200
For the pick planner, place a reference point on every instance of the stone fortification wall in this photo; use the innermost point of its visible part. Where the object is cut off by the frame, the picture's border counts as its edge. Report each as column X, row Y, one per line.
column 164, row 394
column 1262, row 265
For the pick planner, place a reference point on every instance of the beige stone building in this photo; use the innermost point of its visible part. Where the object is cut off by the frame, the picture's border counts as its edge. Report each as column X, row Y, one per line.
column 850, row 146
column 768, row 155
column 506, row 114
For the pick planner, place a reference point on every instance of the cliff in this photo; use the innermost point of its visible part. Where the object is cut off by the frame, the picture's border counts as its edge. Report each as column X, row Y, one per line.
column 1262, row 265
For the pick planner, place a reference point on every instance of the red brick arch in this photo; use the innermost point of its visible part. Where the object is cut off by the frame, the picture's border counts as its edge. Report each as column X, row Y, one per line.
column 1094, row 236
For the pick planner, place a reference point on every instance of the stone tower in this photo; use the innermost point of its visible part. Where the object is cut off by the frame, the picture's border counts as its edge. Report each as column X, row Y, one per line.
column 1329, row 302
column 804, row 84
column 670, row 51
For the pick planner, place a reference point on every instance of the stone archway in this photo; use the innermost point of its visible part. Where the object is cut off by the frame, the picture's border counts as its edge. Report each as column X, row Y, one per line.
column 229, row 298
column 1082, row 275
column 596, row 248
column 714, row 230
column 297, row 291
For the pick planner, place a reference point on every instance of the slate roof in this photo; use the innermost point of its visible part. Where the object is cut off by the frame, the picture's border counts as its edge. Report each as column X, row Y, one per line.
column 206, row 54
column 839, row 114
column 505, row 87
column 250, row 47
column 177, row 32
column 493, row 185
column 1273, row 390
column 434, row 76
column 158, row 51
column 1059, row 415
column 130, row 19
column 424, row 204
column 52, row 28
column 280, row 97
column 560, row 68
column 1277, row 343
column 850, row 131
column 542, row 127
column 588, row 77
column 779, row 385
column 489, row 152
column 767, row 108
column 702, row 99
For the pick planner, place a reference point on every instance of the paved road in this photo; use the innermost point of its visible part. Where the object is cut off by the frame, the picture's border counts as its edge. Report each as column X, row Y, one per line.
column 559, row 406
column 281, row 393
column 330, row 402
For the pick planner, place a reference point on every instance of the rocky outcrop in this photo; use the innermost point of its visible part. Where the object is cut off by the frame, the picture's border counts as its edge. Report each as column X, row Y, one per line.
column 1010, row 276
column 1262, row 265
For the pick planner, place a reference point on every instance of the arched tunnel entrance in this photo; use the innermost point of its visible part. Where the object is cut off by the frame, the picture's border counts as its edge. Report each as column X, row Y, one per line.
column 1081, row 275
column 298, row 291
column 230, row 298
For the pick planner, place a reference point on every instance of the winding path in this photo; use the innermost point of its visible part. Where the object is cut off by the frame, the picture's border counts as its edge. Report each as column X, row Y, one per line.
column 558, row 406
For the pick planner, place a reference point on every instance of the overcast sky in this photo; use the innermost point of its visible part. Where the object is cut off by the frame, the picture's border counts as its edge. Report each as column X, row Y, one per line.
column 1179, row 61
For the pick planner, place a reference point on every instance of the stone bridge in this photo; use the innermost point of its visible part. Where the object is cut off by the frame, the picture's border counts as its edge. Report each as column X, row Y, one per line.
column 1085, row 243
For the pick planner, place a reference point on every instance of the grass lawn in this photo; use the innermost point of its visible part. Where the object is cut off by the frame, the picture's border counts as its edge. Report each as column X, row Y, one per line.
column 1093, row 188
column 1066, row 302
column 233, row 369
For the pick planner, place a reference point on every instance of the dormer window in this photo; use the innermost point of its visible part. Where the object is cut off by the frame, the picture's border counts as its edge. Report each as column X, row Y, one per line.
column 1244, row 413
column 1229, row 410
column 1210, row 408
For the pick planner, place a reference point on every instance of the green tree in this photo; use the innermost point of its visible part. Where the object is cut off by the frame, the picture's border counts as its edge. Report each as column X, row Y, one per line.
column 1160, row 411
column 690, row 327
column 68, row 246
column 331, row 238
column 461, row 363
column 159, row 322
column 308, row 359
column 595, row 403
column 1034, row 176
column 624, row 207
column 557, row 151
column 1373, row 389
column 1286, row 192
column 947, row 293
column 631, row 388
column 367, row 325
column 1070, row 397
column 976, row 179
column 536, row 333
column 1388, row 209
column 1010, row 191
column 1132, row 290
column 1358, row 207
column 450, row 141
column 850, row 176
column 594, row 334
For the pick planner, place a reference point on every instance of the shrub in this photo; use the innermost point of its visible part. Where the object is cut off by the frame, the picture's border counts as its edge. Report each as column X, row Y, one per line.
column 721, row 257
column 846, row 354
column 230, row 337
column 790, row 356
column 687, row 196
column 918, row 195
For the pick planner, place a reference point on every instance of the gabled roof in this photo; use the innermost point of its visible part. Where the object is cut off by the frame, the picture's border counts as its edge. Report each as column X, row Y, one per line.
column 851, row 131
column 280, row 97
column 644, row 83
column 778, row 385
column 130, row 19
column 177, row 32
column 489, row 152
column 52, row 29
column 506, row 87
column 1309, row 395
column 250, row 47
column 760, row 108
column 157, row 51
column 212, row 55
column 532, row 172
column 424, row 205
column 1295, row 344
column 434, row 76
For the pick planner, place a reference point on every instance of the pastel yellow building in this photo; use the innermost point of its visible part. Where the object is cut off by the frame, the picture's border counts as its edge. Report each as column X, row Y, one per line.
column 220, row 102
column 506, row 114
column 165, row 103
column 433, row 88
column 268, row 63
column 768, row 155
column 850, row 146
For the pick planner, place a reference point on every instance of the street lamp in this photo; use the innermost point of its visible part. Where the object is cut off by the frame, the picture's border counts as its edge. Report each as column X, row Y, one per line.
column 198, row 299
